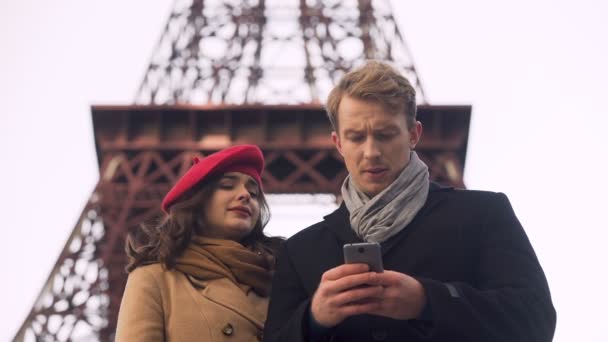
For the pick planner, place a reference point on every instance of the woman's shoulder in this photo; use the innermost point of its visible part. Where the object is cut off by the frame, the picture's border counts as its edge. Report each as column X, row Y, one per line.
column 156, row 277
column 148, row 270
column 152, row 273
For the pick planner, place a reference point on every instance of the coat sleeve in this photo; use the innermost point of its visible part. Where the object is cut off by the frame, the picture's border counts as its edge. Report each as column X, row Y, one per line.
column 141, row 311
column 289, row 304
column 511, row 301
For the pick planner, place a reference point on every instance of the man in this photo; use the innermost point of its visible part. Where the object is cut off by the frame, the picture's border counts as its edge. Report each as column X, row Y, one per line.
column 458, row 265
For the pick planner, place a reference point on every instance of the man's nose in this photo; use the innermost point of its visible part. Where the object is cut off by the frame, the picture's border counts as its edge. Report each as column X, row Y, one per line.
column 371, row 149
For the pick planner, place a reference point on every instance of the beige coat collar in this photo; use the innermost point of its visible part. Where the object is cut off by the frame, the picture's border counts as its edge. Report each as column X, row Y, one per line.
column 225, row 293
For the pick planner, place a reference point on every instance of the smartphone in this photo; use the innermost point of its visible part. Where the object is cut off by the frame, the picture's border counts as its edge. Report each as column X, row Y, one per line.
column 364, row 253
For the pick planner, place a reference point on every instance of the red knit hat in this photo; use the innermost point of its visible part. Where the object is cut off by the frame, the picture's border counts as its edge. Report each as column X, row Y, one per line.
column 247, row 159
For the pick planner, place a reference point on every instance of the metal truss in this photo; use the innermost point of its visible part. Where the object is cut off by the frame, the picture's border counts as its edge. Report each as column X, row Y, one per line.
column 269, row 51
column 225, row 73
column 144, row 150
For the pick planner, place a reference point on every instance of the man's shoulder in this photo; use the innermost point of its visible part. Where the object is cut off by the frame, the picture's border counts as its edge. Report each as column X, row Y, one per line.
column 465, row 199
column 309, row 233
column 316, row 231
column 475, row 193
column 439, row 189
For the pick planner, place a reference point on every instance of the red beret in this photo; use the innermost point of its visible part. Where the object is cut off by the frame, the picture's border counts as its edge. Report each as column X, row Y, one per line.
column 247, row 159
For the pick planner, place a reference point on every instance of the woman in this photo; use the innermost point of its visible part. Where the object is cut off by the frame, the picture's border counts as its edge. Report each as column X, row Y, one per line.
column 203, row 273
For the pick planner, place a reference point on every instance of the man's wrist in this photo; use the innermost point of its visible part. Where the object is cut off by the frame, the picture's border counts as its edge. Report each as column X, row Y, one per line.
column 427, row 312
column 315, row 328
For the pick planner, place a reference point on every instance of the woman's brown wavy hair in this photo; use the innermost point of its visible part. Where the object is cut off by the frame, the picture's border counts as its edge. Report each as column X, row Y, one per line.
column 166, row 240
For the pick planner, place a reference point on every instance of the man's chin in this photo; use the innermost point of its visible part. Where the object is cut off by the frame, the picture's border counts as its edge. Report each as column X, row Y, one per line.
column 372, row 190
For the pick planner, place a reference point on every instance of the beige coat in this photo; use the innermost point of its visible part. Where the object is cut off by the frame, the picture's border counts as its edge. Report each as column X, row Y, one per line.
column 161, row 305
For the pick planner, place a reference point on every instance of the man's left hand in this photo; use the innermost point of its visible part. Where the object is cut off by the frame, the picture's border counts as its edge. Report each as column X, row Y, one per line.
column 403, row 296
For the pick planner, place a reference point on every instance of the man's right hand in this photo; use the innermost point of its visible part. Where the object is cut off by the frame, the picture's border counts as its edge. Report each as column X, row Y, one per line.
column 344, row 291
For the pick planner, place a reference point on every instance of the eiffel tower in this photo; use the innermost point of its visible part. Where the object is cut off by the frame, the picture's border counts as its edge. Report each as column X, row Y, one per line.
column 225, row 72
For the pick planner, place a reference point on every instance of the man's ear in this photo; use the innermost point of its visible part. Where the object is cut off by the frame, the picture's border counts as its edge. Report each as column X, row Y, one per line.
column 415, row 134
column 336, row 140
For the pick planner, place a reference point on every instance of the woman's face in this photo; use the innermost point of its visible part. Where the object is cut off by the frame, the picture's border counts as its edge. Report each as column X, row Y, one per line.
column 233, row 208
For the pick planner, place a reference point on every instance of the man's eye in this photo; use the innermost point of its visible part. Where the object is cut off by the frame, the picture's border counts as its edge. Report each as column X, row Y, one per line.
column 357, row 138
column 384, row 136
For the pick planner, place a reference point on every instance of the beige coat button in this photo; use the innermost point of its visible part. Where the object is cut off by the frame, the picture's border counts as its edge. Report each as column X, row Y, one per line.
column 228, row 329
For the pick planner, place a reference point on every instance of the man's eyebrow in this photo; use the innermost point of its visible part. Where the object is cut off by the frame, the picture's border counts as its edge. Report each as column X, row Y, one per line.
column 353, row 131
column 389, row 128
column 384, row 129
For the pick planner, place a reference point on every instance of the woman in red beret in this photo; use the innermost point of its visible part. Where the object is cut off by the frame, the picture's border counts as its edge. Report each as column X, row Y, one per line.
column 203, row 273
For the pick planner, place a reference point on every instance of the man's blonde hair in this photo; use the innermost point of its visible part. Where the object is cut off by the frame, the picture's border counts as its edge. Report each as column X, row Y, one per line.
column 378, row 82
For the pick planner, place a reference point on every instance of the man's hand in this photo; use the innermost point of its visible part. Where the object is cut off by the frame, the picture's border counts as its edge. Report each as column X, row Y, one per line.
column 350, row 289
column 403, row 296
column 344, row 291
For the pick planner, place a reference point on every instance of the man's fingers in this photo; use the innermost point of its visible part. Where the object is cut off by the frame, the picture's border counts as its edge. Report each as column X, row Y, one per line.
column 359, row 308
column 357, row 296
column 344, row 270
column 391, row 278
column 354, row 280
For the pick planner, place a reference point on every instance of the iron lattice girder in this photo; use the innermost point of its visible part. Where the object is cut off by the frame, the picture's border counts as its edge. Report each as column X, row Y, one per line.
column 143, row 150
column 75, row 302
column 269, row 51
column 296, row 139
column 225, row 58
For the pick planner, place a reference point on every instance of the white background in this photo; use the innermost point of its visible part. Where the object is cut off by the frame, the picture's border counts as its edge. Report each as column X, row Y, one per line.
column 534, row 71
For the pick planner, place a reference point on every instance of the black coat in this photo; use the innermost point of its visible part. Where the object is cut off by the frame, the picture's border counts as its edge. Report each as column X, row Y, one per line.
column 481, row 276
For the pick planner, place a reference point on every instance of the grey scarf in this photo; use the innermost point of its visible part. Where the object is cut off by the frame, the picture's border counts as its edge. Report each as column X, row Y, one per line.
column 386, row 214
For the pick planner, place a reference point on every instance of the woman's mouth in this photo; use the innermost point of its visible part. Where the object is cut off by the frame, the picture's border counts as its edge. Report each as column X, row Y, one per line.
column 242, row 211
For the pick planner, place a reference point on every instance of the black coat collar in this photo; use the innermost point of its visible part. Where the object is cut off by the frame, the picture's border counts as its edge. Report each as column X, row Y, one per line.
column 339, row 221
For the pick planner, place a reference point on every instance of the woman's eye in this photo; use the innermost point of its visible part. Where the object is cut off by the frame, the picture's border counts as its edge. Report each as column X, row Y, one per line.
column 226, row 185
column 253, row 194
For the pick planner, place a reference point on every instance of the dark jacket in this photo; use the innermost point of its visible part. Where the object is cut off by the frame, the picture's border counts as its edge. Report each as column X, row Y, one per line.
column 481, row 276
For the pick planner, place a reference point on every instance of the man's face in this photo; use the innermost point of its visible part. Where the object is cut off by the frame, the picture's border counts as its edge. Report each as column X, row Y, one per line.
column 374, row 143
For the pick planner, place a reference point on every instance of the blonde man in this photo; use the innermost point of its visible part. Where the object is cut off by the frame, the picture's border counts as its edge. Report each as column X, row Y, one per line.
column 458, row 265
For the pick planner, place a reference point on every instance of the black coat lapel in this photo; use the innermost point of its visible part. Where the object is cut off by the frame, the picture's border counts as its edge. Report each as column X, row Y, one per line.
column 435, row 197
column 339, row 221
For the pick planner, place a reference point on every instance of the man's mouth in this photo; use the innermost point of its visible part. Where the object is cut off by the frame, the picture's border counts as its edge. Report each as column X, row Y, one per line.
column 375, row 172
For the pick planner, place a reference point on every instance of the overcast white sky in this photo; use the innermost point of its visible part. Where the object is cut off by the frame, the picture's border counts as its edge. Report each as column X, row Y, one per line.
column 534, row 71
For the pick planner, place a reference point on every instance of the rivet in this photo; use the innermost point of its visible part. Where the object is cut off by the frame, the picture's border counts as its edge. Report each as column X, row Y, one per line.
column 228, row 329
